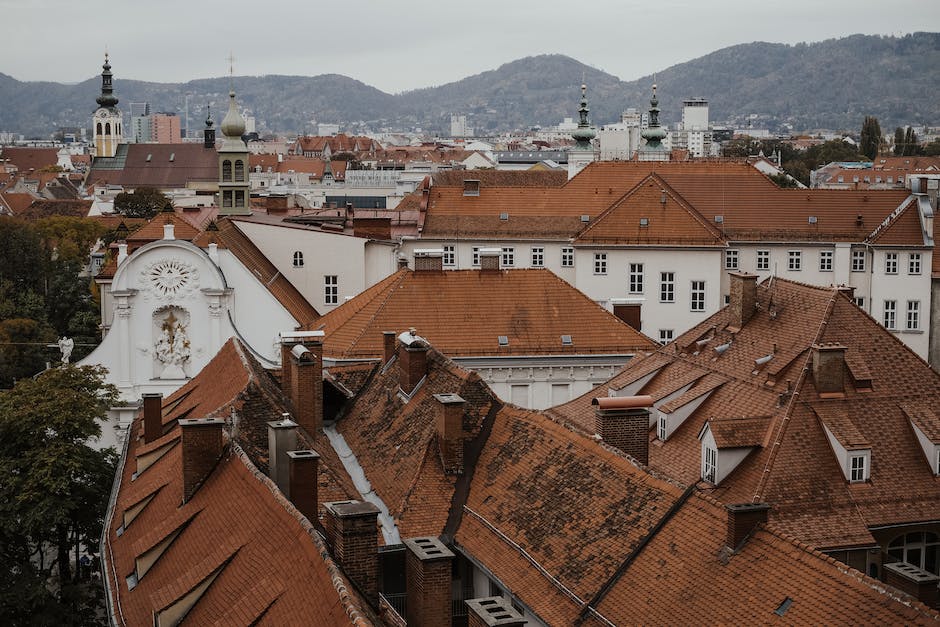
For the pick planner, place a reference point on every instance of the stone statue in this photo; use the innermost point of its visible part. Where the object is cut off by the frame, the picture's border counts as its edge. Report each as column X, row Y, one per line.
column 66, row 344
column 172, row 348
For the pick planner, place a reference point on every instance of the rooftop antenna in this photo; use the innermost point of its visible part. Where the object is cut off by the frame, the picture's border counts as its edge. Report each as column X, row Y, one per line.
column 231, row 71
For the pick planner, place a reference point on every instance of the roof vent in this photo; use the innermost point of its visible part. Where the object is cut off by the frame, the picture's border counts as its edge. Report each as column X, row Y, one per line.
column 149, row 157
column 566, row 340
column 719, row 219
column 644, row 221
column 812, row 219
column 503, row 340
column 721, row 348
column 504, row 216
column 585, row 218
column 172, row 156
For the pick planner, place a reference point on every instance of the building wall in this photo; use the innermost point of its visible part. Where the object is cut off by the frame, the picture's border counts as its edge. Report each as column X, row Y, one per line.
column 165, row 129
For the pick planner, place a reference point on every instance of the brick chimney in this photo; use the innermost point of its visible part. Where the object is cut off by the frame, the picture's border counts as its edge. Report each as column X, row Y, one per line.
column 413, row 360
column 153, row 416
column 624, row 423
column 743, row 301
column 290, row 339
column 429, row 260
column 742, row 519
column 829, row 368
column 489, row 258
column 302, row 484
column 915, row 581
column 353, row 537
column 402, row 261
column 306, row 381
column 388, row 346
column 282, row 437
column 493, row 612
column 428, row 582
column 450, row 434
column 201, row 440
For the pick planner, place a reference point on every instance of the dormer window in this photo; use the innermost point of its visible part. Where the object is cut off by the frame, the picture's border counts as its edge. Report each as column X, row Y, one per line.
column 849, row 445
column 709, row 464
column 857, row 470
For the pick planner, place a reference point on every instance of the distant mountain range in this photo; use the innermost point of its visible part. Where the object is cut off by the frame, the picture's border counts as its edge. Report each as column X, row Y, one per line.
column 830, row 84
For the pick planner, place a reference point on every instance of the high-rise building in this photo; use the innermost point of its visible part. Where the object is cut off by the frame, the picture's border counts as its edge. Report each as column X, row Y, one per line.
column 107, row 124
column 165, row 128
column 693, row 133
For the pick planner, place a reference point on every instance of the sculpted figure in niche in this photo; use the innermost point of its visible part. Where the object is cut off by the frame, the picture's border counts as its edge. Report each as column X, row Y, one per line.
column 172, row 348
column 66, row 344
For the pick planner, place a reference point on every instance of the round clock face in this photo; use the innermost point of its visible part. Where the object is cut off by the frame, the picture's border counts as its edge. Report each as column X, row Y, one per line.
column 169, row 277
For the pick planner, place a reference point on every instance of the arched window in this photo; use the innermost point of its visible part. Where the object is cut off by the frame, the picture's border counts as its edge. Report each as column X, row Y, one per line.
column 99, row 129
column 227, row 171
column 239, row 170
column 107, row 128
column 298, row 259
column 919, row 548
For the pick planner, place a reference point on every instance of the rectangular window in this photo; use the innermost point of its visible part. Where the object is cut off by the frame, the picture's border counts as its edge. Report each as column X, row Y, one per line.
column 600, row 263
column 891, row 263
column 794, row 260
column 731, row 260
column 763, row 260
column 665, row 336
column 661, row 425
column 476, row 256
column 538, row 257
column 567, row 257
column 913, row 315
column 667, row 287
column 858, row 261
column 913, row 263
column 709, row 464
column 450, row 256
column 890, row 314
column 859, row 301
column 509, row 257
column 636, row 278
column 331, row 289
column 825, row 261
column 857, row 470
column 697, row 296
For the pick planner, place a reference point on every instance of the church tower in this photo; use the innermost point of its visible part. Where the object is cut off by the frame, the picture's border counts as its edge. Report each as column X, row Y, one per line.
column 582, row 153
column 208, row 135
column 233, row 163
column 654, row 135
column 107, row 125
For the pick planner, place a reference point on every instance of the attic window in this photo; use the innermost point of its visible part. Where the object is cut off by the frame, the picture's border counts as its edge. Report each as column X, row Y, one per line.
column 504, row 216
column 644, row 221
column 585, row 218
column 857, row 467
column 503, row 340
column 812, row 219
column 719, row 219
column 471, row 187
column 783, row 607
column 149, row 157
column 172, row 156
column 566, row 340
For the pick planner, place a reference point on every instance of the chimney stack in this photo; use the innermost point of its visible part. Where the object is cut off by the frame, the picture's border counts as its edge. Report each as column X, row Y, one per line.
column 829, row 368
column 122, row 253
column 624, row 423
column 353, row 536
column 153, row 417
column 489, row 258
column 282, row 437
column 429, row 260
column 493, row 612
column 413, row 360
column 306, row 381
column 388, row 346
column 402, row 261
column 742, row 520
column 302, row 484
column 201, row 440
column 919, row 583
column 290, row 339
column 168, row 231
column 450, row 435
column 743, row 301
column 428, row 566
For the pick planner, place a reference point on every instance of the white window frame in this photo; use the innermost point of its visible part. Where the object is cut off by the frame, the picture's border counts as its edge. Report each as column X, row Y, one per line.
column 475, row 258
column 666, row 335
column 636, row 278
column 825, row 260
column 331, row 289
column 731, row 259
column 859, row 301
column 600, row 263
column 710, row 464
column 508, row 257
column 794, row 260
column 450, row 255
column 697, row 296
column 914, row 263
column 913, row 315
column 858, row 260
column 661, row 425
column 763, row 260
column 567, row 257
column 538, row 256
column 891, row 263
column 890, row 314
column 298, row 259
column 667, row 287
column 857, row 469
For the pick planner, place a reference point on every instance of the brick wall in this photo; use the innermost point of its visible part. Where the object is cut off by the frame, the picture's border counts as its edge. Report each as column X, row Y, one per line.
column 389, row 342
column 353, row 536
column 450, row 434
column 201, row 440
column 828, row 368
column 742, row 297
column 303, row 490
column 153, row 417
column 742, row 519
column 428, row 579
column 307, row 388
column 625, row 429
column 414, row 365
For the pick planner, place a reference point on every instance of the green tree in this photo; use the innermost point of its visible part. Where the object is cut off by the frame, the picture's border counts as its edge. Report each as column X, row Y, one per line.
column 933, row 148
column 870, row 142
column 54, row 494
column 898, row 141
column 144, row 202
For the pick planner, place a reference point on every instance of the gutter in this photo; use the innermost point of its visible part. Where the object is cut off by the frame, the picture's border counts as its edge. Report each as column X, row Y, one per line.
column 113, row 601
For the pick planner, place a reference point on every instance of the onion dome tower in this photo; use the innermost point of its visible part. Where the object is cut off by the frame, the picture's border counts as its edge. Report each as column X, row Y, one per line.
column 208, row 134
column 654, row 135
column 582, row 153
column 233, row 163
column 107, row 124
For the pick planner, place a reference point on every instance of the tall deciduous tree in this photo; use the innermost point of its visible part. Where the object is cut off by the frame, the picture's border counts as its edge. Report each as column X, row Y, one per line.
column 143, row 202
column 53, row 494
column 871, row 137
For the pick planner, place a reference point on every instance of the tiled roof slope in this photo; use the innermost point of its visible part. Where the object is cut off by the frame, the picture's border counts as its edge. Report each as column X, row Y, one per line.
column 137, row 165
column 39, row 209
column 396, row 443
column 273, row 568
column 685, row 564
column 502, row 178
column 800, row 477
column 462, row 313
column 26, row 159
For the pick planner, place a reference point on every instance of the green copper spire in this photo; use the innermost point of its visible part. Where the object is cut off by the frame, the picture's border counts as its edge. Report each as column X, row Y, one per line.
column 584, row 133
column 654, row 134
column 107, row 98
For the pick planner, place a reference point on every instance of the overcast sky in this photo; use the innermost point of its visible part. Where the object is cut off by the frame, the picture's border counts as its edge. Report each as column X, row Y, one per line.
column 397, row 45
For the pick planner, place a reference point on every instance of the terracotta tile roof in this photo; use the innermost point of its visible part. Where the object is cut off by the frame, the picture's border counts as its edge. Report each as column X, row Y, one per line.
column 26, row 159
column 904, row 229
column 836, row 419
column 272, row 564
column 280, row 287
column 183, row 229
column 912, row 163
column 501, row 178
column 38, row 209
column 925, row 418
column 150, row 165
column 800, row 477
column 462, row 312
column 740, row 432
column 18, row 203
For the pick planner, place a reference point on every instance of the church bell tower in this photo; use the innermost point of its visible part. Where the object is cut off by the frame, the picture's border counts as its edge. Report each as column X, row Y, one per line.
column 107, row 124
